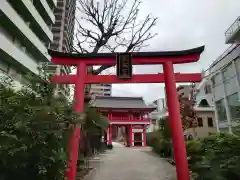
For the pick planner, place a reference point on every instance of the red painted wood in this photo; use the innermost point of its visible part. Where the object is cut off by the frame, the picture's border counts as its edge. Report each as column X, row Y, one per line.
column 130, row 139
column 168, row 77
column 124, row 110
column 63, row 79
column 180, row 154
column 136, row 60
column 144, row 136
column 110, row 134
column 128, row 121
column 139, row 78
column 79, row 88
column 75, row 137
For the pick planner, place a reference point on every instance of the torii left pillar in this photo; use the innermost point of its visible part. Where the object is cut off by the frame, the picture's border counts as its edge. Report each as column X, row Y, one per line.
column 75, row 137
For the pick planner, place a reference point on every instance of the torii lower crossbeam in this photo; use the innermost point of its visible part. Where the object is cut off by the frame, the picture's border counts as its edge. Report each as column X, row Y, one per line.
column 139, row 78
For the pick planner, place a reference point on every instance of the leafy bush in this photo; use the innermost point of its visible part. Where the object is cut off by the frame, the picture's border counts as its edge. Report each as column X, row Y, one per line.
column 34, row 129
column 216, row 157
column 153, row 138
column 160, row 140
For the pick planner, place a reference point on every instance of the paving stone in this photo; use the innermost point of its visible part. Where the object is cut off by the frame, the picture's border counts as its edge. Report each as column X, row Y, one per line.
column 123, row 163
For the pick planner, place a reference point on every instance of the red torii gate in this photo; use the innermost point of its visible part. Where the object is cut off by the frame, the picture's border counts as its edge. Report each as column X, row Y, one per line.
column 167, row 59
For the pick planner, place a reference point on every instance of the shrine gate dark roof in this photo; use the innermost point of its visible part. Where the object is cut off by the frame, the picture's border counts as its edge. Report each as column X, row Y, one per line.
column 122, row 103
column 197, row 50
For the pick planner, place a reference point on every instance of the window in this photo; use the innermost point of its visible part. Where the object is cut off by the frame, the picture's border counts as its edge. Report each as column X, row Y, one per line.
column 237, row 62
column 190, row 137
column 200, row 122
column 221, row 111
column 154, row 121
column 56, row 38
column 210, row 122
column 213, row 81
column 234, row 106
column 216, row 79
column 207, row 89
column 226, row 72
column 203, row 103
column 58, row 16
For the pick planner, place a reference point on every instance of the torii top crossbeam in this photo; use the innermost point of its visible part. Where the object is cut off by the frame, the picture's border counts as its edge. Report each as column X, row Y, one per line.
column 176, row 57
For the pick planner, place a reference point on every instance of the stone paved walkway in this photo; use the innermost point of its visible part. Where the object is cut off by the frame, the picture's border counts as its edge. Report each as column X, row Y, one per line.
column 131, row 164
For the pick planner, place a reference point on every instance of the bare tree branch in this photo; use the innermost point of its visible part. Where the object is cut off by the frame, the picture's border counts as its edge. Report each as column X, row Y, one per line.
column 111, row 25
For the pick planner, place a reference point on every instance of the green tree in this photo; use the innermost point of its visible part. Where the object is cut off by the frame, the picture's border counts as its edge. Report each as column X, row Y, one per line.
column 34, row 130
column 215, row 157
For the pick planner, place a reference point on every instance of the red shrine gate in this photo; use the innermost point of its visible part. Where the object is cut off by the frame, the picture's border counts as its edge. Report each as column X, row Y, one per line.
column 167, row 59
column 129, row 112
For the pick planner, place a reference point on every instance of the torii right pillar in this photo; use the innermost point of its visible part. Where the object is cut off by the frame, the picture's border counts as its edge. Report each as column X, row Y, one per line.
column 179, row 148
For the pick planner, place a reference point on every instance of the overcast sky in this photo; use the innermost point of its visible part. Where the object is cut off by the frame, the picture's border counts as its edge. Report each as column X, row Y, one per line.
column 183, row 24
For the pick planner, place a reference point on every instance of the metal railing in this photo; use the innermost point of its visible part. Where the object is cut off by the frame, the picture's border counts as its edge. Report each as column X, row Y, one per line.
column 233, row 28
column 220, row 58
column 127, row 118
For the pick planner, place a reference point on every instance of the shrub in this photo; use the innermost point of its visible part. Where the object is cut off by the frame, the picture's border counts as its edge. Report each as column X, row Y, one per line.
column 153, row 138
column 216, row 157
column 34, row 129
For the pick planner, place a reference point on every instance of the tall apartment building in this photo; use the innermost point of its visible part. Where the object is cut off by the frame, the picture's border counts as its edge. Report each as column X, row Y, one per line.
column 25, row 35
column 63, row 34
column 225, row 80
column 63, row 29
column 101, row 89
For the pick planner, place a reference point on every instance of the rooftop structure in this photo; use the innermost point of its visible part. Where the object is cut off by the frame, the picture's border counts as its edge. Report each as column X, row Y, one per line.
column 122, row 103
column 232, row 34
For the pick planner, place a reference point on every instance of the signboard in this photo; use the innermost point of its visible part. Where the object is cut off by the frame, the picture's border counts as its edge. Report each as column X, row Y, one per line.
column 124, row 66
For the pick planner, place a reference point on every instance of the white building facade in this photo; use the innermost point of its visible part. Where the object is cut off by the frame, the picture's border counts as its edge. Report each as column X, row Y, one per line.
column 225, row 81
column 156, row 115
column 25, row 36
column 101, row 89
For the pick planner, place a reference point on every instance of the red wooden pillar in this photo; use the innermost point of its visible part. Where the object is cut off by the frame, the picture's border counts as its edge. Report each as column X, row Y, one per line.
column 175, row 122
column 110, row 134
column 75, row 137
column 144, row 136
column 130, row 135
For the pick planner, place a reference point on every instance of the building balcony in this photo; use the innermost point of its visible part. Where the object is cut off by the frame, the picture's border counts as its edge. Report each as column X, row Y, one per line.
column 12, row 54
column 17, row 27
column 29, row 12
column 45, row 10
column 204, row 108
column 232, row 35
column 127, row 121
column 52, row 3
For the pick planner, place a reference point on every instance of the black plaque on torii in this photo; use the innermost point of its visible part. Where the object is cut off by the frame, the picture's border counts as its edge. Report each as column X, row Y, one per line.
column 124, row 65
